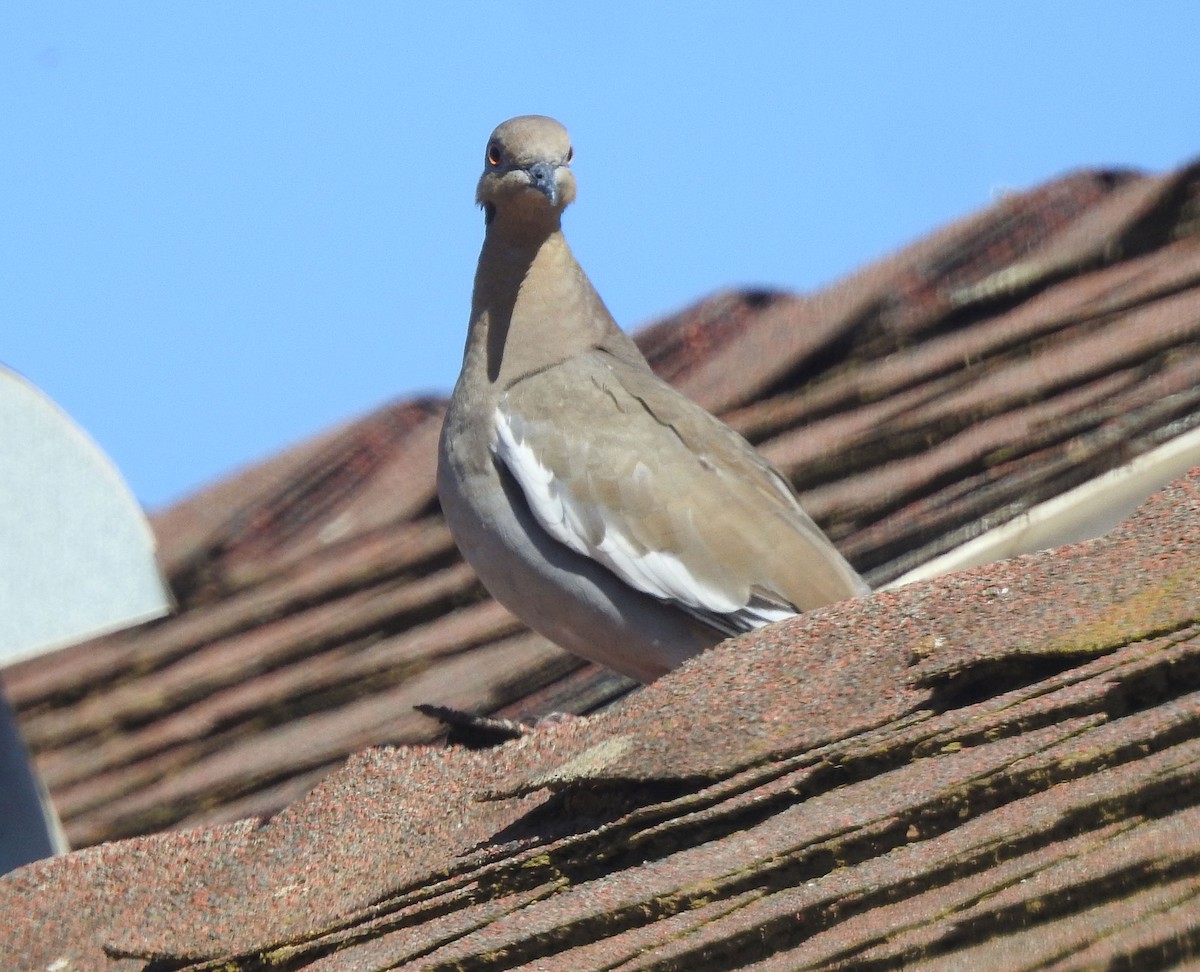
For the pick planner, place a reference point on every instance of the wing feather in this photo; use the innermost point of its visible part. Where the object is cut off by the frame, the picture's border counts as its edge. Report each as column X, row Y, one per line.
column 599, row 532
column 670, row 500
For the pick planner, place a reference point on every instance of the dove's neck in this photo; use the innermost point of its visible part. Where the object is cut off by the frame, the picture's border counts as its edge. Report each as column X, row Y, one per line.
column 533, row 306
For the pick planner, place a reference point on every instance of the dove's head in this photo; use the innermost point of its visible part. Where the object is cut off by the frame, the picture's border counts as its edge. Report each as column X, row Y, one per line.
column 526, row 170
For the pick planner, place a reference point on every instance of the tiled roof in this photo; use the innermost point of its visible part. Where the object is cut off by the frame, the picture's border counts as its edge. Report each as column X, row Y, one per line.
column 993, row 365
column 992, row 770
column 952, row 386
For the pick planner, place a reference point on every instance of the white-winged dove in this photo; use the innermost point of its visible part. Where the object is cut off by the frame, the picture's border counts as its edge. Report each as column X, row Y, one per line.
column 598, row 504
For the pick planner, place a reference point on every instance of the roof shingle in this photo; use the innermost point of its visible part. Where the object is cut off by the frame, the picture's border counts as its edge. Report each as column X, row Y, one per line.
column 999, row 763
column 1006, row 755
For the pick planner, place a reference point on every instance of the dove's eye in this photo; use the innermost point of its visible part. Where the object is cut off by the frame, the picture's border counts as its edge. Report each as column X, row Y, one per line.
column 570, row 153
column 493, row 155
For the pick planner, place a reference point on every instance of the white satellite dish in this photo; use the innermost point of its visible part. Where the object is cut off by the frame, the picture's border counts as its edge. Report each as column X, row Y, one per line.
column 76, row 552
column 76, row 560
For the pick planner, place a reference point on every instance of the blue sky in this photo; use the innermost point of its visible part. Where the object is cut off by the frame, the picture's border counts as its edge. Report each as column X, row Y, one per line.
column 229, row 226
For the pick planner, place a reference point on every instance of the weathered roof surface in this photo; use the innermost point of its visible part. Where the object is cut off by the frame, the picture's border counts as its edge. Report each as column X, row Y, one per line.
column 951, row 387
column 995, row 363
column 993, row 770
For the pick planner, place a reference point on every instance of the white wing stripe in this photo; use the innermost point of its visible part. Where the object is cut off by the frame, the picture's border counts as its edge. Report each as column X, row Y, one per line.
column 655, row 572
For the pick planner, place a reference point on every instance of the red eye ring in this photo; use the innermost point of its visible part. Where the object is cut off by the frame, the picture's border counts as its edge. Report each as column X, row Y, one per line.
column 493, row 154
